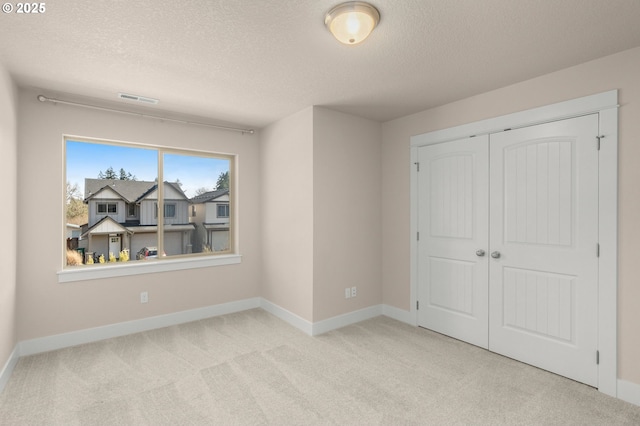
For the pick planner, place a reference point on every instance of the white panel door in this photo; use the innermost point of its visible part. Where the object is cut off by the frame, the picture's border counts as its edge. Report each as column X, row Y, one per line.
column 114, row 246
column 453, row 234
column 544, row 228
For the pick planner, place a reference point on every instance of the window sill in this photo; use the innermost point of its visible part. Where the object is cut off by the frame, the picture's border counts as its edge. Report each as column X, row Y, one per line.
column 94, row 272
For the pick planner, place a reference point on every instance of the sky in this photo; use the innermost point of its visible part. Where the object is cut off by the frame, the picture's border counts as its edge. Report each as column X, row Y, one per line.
column 87, row 160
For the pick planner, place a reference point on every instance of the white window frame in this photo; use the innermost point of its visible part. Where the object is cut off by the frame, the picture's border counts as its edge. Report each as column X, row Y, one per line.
column 174, row 263
column 226, row 206
column 134, row 207
column 165, row 210
column 106, row 206
column 169, row 205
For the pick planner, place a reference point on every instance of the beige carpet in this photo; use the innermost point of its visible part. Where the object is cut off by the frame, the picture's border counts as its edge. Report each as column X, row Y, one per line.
column 251, row 368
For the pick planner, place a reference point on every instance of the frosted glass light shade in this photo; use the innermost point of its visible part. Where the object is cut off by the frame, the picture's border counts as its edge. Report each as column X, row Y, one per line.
column 352, row 22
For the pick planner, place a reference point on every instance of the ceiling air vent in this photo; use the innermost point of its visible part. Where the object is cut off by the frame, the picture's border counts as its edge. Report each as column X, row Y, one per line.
column 137, row 98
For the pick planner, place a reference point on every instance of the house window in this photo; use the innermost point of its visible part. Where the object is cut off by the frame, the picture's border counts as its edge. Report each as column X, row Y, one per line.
column 169, row 210
column 107, row 208
column 223, row 210
column 129, row 175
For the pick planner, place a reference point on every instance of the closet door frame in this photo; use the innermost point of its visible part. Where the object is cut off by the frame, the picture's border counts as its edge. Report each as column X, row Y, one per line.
column 606, row 106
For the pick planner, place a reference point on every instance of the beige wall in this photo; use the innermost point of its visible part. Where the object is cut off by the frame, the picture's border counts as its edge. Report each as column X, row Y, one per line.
column 8, row 215
column 346, row 213
column 287, row 213
column 321, row 213
column 288, row 227
column 620, row 71
column 46, row 307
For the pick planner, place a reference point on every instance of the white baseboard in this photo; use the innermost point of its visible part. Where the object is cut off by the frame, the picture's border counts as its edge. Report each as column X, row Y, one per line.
column 287, row 316
column 324, row 326
column 343, row 320
column 399, row 314
column 74, row 338
column 628, row 391
column 6, row 371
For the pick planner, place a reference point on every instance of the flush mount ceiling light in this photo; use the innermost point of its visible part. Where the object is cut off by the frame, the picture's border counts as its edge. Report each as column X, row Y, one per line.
column 352, row 22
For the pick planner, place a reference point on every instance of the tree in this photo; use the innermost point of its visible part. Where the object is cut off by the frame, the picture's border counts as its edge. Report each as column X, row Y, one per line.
column 201, row 191
column 223, row 181
column 126, row 175
column 73, row 192
column 77, row 210
column 111, row 174
column 108, row 174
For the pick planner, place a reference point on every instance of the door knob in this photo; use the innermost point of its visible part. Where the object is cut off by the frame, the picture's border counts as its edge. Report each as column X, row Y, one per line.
column 495, row 254
column 480, row 253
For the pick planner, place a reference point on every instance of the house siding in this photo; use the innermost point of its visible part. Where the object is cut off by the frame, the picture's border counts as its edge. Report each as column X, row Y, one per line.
column 182, row 213
column 211, row 215
column 148, row 212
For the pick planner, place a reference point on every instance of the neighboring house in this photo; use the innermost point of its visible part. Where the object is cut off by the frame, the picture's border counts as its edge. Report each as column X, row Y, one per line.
column 123, row 214
column 73, row 236
column 210, row 215
column 73, row 231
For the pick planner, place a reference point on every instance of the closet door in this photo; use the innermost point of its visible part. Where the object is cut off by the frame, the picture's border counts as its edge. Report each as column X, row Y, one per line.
column 453, row 237
column 543, row 246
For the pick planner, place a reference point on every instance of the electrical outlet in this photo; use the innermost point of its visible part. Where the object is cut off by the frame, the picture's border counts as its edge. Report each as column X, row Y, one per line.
column 347, row 293
column 144, row 297
column 353, row 292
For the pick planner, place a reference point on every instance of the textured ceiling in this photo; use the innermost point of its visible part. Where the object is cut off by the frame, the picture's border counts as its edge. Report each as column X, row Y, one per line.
column 253, row 62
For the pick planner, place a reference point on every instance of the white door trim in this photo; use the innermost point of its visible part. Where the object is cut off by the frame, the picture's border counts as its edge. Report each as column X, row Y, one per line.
column 606, row 105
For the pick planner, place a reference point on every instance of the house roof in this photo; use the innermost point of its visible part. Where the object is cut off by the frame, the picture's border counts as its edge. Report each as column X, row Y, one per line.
column 130, row 190
column 106, row 225
column 154, row 187
column 209, row 196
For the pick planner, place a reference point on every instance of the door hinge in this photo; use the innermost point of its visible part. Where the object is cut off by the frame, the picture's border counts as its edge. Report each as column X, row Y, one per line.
column 598, row 250
column 417, row 163
column 599, row 138
column 417, row 236
column 598, row 357
column 417, row 305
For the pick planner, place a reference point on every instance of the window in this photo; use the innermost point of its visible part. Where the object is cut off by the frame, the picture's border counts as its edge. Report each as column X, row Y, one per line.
column 169, row 210
column 129, row 174
column 107, row 208
column 223, row 210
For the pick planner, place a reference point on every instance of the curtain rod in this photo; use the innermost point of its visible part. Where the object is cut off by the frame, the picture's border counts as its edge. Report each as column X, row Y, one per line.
column 43, row 98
